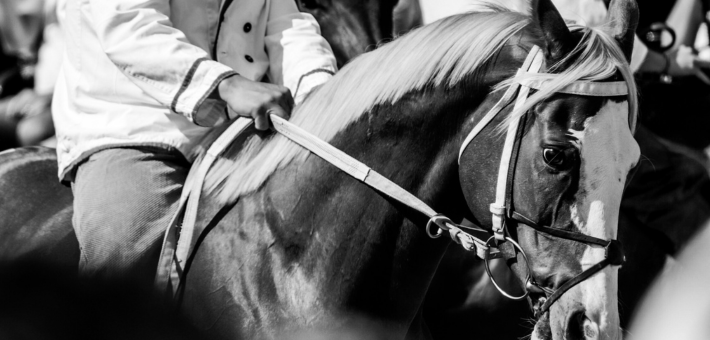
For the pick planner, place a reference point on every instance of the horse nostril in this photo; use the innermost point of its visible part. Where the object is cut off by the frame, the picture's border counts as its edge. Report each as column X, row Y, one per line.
column 576, row 326
column 590, row 329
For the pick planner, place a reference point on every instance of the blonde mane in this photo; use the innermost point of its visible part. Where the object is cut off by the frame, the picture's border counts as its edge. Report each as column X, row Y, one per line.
column 442, row 53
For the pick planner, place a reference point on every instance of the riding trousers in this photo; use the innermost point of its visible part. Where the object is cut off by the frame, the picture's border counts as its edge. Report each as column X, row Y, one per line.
column 123, row 200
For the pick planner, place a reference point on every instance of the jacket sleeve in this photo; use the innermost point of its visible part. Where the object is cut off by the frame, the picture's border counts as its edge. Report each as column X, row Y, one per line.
column 299, row 56
column 139, row 38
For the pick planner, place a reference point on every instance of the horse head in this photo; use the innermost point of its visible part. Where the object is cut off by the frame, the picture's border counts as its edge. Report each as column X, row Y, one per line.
column 562, row 188
column 352, row 27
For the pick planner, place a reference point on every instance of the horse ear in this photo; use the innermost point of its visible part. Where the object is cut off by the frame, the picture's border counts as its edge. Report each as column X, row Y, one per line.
column 558, row 39
column 622, row 19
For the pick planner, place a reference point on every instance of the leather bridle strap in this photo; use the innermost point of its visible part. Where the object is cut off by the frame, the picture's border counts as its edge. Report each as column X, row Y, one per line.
column 175, row 251
column 584, row 88
column 565, row 234
column 532, row 64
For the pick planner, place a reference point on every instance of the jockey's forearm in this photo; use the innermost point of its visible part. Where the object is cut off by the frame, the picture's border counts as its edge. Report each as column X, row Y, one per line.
column 138, row 37
column 299, row 57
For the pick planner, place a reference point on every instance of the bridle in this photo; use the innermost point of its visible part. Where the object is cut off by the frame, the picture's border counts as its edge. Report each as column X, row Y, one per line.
column 503, row 211
column 173, row 264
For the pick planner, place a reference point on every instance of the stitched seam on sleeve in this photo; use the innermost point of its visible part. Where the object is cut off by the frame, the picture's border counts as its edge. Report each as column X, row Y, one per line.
column 186, row 83
column 318, row 70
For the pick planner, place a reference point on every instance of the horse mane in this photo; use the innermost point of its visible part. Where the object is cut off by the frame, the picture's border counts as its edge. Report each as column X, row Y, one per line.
column 442, row 53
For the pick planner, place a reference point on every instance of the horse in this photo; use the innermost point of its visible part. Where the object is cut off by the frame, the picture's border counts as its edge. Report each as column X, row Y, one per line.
column 36, row 210
column 302, row 245
column 275, row 261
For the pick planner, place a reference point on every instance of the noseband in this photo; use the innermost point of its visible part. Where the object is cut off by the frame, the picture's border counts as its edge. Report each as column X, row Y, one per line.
column 503, row 210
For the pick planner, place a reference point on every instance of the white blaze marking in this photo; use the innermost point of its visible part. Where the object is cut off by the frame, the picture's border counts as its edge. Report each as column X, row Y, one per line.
column 608, row 151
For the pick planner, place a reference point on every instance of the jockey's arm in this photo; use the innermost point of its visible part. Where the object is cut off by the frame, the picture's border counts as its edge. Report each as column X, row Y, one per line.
column 138, row 37
column 300, row 58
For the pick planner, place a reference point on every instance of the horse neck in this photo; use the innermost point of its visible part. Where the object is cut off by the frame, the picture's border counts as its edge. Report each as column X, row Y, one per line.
column 361, row 251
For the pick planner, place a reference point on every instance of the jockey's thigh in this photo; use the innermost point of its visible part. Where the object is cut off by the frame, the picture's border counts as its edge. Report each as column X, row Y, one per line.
column 124, row 199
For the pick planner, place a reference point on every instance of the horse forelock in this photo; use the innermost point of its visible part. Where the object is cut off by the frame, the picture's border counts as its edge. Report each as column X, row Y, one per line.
column 597, row 57
column 440, row 54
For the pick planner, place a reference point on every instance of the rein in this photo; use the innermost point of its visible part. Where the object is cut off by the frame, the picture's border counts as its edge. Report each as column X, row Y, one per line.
column 175, row 252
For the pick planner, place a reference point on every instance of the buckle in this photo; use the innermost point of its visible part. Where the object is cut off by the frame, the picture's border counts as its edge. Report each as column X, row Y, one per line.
column 498, row 220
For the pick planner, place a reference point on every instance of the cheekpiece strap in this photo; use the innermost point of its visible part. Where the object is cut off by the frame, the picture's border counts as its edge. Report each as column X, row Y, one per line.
column 533, row 63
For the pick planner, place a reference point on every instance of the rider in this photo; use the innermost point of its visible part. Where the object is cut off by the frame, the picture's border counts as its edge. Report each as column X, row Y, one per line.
column 142, row 81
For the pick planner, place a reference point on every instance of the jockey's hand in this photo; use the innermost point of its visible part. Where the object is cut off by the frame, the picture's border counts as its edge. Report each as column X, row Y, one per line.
column 255, row 99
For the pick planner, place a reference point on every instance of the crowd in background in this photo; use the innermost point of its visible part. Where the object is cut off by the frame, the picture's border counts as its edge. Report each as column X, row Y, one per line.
column 32, row 48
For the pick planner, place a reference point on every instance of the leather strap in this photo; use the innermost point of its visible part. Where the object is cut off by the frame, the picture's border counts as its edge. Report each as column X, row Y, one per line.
column 569, row 235
column 492, row 113
column 614, row 255
column 502, row 102
column 532, row 64
column 584, row 88
column 179, row 236
column 374, row 180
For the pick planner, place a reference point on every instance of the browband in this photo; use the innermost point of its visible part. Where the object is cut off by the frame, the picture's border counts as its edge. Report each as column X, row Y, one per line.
column 583, row 88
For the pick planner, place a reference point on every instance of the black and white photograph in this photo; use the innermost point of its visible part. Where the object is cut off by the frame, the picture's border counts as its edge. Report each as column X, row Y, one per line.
column 355, row 169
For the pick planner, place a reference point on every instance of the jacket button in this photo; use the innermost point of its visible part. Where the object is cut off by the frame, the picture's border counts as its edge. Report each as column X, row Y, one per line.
column 249, row 58
column 247, row 27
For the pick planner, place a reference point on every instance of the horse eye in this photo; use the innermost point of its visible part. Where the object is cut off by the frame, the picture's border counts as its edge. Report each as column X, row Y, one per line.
column 555, row 158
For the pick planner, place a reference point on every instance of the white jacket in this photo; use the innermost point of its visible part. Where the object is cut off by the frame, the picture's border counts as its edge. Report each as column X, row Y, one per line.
column 139, row 72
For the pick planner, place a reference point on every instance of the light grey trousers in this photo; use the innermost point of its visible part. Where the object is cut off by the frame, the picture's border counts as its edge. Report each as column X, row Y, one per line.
column 124, row 199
